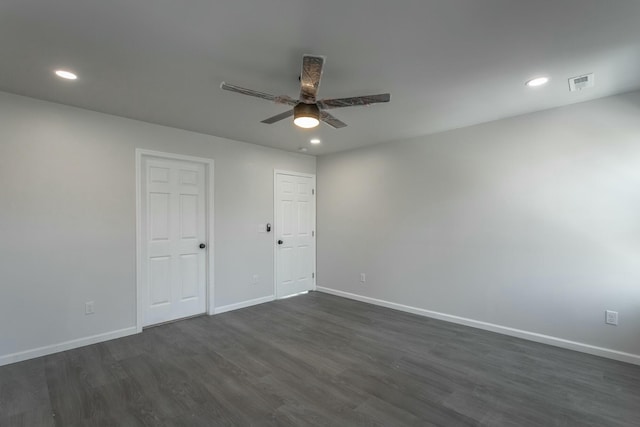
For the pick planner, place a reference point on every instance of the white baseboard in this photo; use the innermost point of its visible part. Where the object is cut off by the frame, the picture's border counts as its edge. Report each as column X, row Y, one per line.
column 531, row 336
column 81, row 342
column 243, row 304
column 66, row 345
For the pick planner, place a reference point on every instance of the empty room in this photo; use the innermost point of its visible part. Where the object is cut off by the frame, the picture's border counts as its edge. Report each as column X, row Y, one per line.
column 335, row 213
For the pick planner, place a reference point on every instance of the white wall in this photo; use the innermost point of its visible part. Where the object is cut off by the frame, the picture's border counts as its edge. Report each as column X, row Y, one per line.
column 67, row 219
column 531, row 222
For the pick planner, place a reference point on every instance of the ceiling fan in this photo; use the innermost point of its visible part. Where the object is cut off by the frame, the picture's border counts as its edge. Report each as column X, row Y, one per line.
column 308, row 111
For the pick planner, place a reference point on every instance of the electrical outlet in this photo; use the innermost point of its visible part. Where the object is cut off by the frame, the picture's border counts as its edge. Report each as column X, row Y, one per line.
column 363, row 277
column 611, row 317
column 255, row 279
column 89, row 307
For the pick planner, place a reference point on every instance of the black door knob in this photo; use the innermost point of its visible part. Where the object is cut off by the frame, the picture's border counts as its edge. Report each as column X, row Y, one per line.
column 202, row 246
column 280, row 242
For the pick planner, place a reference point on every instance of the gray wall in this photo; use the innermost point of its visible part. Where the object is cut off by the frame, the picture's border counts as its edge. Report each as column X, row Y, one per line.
column 67, row 218
column 531, row 222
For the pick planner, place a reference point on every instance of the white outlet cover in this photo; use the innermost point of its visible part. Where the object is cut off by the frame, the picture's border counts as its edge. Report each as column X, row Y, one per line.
column 89, row 307
column 611, row 317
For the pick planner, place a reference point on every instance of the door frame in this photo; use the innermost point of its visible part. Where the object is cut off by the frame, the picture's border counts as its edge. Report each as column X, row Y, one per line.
column 141, row 154
column 276, row 172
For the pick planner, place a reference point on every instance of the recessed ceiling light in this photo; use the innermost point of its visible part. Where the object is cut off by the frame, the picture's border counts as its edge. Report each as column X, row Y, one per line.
column 538, row 81
column 66, row 74
column 315, row 141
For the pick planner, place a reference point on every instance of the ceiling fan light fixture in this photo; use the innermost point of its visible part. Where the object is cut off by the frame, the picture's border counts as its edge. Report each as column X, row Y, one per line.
column 306, row 115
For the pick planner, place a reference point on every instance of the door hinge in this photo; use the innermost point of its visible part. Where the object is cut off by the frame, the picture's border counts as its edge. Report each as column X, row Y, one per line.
column 313, row 233
column 313, row 275
column 313, row 191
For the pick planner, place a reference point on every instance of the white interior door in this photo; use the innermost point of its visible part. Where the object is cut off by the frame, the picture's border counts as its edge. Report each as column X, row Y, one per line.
column 174, row 244
column 295, row 217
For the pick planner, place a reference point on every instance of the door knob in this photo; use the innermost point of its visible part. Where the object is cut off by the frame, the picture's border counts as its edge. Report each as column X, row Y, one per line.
column 202, row 246
column 280, row 242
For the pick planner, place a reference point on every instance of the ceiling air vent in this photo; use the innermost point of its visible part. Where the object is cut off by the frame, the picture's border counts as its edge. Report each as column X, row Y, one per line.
column 581, row 82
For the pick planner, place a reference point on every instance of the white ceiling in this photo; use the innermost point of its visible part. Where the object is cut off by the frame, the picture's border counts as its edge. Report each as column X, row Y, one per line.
column 447, row 63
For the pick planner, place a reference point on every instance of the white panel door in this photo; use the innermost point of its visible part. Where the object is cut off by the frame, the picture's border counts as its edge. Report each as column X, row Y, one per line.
column 294, row 234
column 173, row 231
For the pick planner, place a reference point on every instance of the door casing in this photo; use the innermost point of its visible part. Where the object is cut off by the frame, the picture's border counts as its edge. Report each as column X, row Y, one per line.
column 209, row 176
column 276, row 172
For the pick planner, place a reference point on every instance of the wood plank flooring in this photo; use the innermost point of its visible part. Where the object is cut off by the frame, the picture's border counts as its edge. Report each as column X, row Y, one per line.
column 319, row 360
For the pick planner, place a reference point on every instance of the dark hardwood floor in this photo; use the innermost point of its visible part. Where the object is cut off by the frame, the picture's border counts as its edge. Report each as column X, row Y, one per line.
column 319, row 360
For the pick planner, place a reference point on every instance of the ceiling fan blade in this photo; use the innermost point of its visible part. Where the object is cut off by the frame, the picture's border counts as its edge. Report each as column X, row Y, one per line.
column 310, row 77
column 278, row 117
column 331, row 121
column 354, row 101
column 244, row 91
